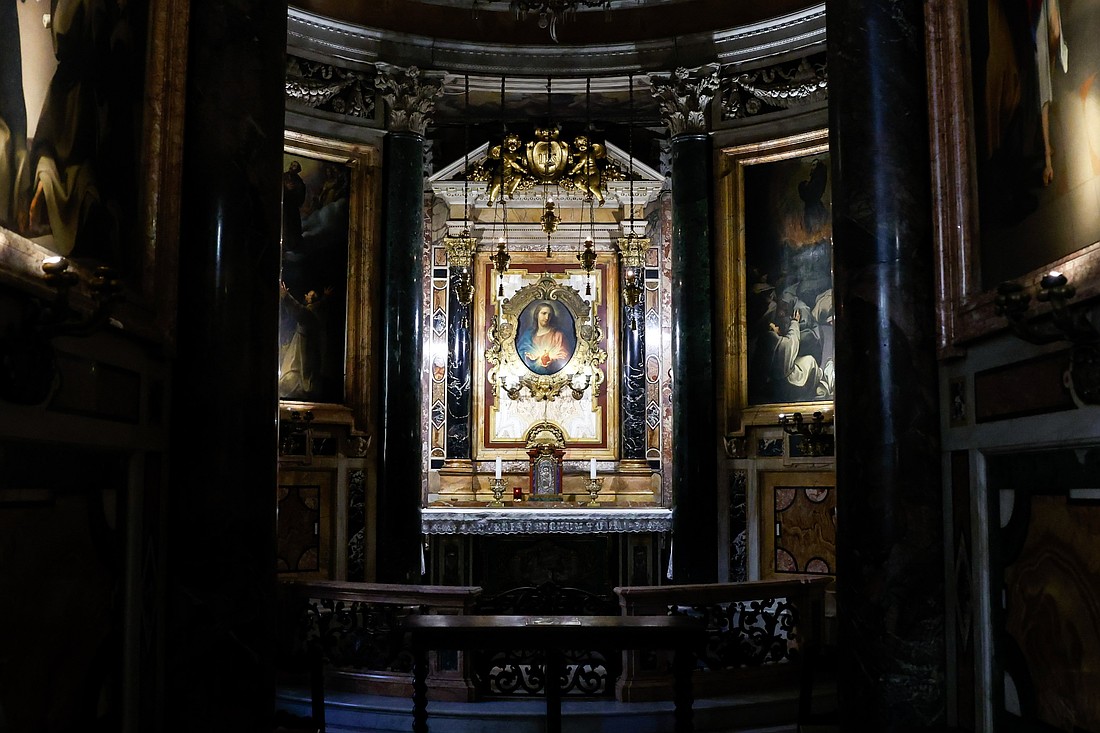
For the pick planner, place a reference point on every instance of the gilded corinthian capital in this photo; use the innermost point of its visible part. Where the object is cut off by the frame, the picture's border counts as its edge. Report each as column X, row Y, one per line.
column 684, row 95
column 410, row 97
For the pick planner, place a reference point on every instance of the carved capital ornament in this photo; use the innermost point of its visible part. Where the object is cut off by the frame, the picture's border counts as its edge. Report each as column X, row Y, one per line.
column 410, row 97
column 683, row 97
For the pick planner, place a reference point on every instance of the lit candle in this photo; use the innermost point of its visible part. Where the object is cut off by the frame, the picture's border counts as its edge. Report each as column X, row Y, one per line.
column 498, row 466
column 592, row 468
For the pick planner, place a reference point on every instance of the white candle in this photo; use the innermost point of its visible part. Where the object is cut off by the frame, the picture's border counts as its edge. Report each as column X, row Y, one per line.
column 592, row 468
column 498, row 466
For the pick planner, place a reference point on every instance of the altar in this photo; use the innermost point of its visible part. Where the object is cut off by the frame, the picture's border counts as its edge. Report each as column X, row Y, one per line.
column 592, row 548
column 549, row 520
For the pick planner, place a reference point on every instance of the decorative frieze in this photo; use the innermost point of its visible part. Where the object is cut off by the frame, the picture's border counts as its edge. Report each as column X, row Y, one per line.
column 773, row 88
column 330, row 88
column 544, row 521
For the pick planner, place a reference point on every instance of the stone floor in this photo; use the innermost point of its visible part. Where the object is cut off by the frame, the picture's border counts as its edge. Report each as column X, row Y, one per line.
column 759, row 712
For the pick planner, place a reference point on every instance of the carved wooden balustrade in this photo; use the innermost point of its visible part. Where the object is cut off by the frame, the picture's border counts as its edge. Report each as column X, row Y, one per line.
column 760, row 633
column 353, row 629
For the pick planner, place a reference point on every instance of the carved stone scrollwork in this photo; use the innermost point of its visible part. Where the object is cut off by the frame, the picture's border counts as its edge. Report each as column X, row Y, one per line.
column 777, row 87
column 410, row 97
column 329, row 88
column 683, row 96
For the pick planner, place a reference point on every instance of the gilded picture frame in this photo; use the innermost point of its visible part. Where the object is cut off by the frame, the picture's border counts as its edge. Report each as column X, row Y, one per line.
column 565, row 360
column 965, row 302
column 328, row 262
column 774, row 275
column 588, row 416
column 60, row 200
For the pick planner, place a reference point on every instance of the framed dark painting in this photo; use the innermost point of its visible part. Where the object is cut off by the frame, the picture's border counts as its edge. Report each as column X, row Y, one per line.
column 91, row 102
column 776, row 278
column 327, row 232
column 1015, row 122
column 1036, row 132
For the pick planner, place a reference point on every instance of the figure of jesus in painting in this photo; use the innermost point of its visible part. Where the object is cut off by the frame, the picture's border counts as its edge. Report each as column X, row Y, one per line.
column 542, row 345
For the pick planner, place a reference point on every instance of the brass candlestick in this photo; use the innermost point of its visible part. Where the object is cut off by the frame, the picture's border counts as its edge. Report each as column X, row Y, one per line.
column 594, row 486
column 497, row 485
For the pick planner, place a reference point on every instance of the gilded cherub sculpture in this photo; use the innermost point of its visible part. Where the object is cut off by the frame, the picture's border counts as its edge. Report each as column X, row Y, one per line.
column 510, row 169
column 585, row 171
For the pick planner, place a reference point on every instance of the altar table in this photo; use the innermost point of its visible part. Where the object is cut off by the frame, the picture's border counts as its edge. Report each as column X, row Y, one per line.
column 681, row 634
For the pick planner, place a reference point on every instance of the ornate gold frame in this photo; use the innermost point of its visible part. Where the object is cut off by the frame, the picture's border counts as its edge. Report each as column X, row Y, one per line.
column 965, row 311
column 531, row 266
column 364, row 164
column 510, row 375
column 731, row 277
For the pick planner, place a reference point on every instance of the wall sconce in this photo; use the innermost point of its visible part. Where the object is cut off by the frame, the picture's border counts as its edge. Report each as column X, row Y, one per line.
column 815, row 440
column 460, row 256
column 500, row 263
column 549, row 221
column 296, row 435
column 461, row 249
column 632, row 250
column 587, row 258
column 60, row 317
column 1078, row 325
column 28, row 364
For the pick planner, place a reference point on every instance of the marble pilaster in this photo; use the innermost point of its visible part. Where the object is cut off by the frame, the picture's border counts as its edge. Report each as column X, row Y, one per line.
column 890, row 562
column 459, row 363
column 633, row 385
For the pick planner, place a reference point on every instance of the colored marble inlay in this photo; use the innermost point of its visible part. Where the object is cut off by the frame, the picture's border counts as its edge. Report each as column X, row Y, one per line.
column 1052, row 613
column 805, row 525
column 357, row 519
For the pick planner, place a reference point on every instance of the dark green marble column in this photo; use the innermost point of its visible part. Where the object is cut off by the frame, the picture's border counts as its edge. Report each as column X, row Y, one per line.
column 694, row 422
column 402, row 347
column 220, row 518
column 890, row 565
column 683, row 98
column 410, row 99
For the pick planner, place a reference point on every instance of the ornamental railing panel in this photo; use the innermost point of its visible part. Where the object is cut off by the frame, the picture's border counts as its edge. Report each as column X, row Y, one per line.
column 522, row 672
column 759, row 633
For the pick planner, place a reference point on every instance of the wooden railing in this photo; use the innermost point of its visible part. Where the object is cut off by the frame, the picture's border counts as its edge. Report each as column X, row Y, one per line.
column 760, row 633
column 353, row 629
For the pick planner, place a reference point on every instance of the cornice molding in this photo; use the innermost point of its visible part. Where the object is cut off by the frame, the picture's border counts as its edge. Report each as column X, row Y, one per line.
column 326, row 39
